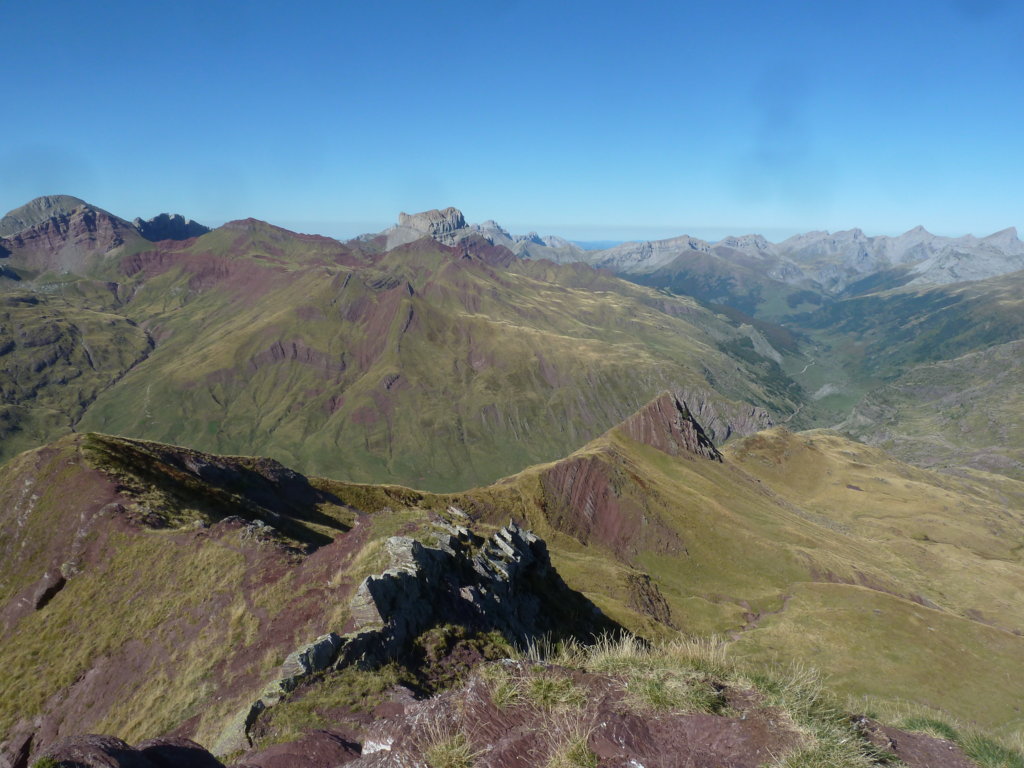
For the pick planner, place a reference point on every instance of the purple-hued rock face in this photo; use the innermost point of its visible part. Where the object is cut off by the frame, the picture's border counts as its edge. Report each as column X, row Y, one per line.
column 666, row 424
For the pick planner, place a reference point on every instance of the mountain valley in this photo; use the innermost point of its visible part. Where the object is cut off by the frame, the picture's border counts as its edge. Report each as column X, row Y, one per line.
column 310, row 502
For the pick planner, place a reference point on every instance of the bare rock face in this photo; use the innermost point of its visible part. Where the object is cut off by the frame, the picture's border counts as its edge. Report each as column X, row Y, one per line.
column 37, row 211
column 314, row 749
column 92, row 751
column 434, row 222
column 442, row 225
column 61, row 234
column 721, row 419
column 666, row 424
column 169, row 226
column 176, row 752
column 504, row 583
column 647, row 256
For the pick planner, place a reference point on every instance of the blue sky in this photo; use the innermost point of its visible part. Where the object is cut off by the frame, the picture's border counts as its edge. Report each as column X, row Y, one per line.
column 589, row 119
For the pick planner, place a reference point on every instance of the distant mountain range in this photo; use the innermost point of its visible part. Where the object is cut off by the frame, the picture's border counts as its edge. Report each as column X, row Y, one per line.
column 394, row 357
column 831, row 261
column 237, row 331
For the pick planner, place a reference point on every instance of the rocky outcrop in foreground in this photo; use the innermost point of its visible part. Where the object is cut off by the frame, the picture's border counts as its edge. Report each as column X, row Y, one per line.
column 518, row 714
column 503, row 584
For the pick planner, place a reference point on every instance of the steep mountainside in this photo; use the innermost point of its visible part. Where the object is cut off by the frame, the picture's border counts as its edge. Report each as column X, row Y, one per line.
column 55, row 358
column 440, row 353
column 898, row 583
column 38, row 211
column 838, row 259
column 826, row 262
column 961, row 412
column 439, row 366
column 62, row 234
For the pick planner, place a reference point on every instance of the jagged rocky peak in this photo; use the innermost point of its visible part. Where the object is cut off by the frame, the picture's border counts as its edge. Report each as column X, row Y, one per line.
column 746, row 242
column 435, row 223
column 666, row 423
column 169, row 226
column 37, row 211
column 1006, row 239
column 445, row 226
column 491, row 227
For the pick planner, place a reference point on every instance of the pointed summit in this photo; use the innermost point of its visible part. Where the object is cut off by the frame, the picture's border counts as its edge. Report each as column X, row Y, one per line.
column 37, row 211
column 666, row 423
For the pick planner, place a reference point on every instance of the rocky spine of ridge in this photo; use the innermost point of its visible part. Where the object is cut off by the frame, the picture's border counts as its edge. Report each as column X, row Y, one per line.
column 667, row 424
column 169, row 226
column 505, row 583
column 584, row 498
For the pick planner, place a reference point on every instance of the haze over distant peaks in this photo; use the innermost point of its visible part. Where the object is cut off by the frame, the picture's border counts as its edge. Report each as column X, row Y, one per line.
column 449, row 226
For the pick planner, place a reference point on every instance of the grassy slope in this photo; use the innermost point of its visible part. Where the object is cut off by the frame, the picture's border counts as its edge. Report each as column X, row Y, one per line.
column 157, row 627
column 784, row 556
column 429, row 369
column 960, row 412
column 799, row 547
column 56, row 355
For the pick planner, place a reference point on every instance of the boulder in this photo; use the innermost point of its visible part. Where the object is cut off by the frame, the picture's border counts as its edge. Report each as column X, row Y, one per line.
column 170, row 752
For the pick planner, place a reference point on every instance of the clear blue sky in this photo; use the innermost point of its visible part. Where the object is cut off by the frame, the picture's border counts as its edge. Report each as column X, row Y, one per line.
column 588, row 119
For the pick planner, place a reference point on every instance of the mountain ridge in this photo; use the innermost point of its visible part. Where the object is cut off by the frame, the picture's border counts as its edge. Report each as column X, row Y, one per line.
column 649, row 534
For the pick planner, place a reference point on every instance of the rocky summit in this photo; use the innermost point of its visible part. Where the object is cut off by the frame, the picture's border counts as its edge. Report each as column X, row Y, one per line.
column 169, row 226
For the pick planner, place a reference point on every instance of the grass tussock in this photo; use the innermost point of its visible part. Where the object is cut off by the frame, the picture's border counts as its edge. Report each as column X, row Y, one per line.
column 552, row 691
column 446, row 746
column 569, row 743
column 982, row 748
column 682, row 693
column 694, row 675
column 828, row 735
column 986, row 751
column 352, row 689
column 532, row 684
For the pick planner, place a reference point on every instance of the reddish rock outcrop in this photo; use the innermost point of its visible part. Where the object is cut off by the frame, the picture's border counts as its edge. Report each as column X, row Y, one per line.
column 68, row 241
column 666, row 424
column 583, row 498
column 316, row 749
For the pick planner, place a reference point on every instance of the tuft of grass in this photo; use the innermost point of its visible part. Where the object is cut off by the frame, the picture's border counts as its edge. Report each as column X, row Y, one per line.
column 705, row 654
column 570, row 747
column 666, row 692
column 46, row 762
column 550, row 691
column 547, row 689
column 617, row 654
column 567, row 653
column 828, row 735
column 505, row 688
column 989, row 753
column 444, row 746
column 930, row 726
